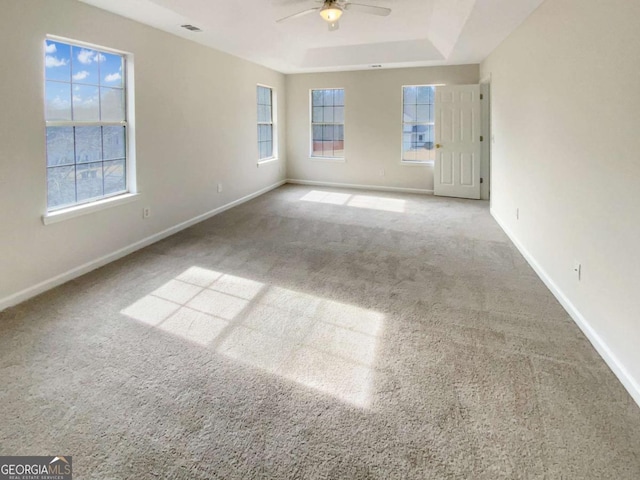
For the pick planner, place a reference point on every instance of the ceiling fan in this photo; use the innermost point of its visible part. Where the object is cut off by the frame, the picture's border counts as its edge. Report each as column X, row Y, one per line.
column 332, row 10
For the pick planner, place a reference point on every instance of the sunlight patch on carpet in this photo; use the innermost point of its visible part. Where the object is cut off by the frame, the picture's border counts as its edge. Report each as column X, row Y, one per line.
column 320, row 343
column 359, row 201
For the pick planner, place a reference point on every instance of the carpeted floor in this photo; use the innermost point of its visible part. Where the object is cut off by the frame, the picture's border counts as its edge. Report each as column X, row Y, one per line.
column 316, row 333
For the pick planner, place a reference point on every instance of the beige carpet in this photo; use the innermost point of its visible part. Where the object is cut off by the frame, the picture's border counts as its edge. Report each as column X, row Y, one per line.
column 316, row 333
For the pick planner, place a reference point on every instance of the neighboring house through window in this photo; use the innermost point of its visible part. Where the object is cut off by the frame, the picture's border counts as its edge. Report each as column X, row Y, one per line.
column 418, row 124
column 327, row 123
column 86, row 124
column 266, row 137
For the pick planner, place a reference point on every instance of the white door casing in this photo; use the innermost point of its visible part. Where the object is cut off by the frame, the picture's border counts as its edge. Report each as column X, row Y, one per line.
column 458, row 146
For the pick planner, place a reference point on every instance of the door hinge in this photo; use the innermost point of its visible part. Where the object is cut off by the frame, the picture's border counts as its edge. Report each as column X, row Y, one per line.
column 481, row 96
column 481, row 138
column 481, row 180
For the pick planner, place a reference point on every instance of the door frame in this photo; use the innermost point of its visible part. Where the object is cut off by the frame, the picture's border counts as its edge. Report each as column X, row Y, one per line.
column 485, row 126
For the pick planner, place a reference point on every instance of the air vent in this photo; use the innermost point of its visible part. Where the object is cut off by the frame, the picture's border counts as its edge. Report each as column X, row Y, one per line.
column 376, row 66
column 191, row 28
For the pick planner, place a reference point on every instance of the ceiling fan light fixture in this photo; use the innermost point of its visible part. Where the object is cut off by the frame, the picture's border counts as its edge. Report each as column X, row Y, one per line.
column 331, row 12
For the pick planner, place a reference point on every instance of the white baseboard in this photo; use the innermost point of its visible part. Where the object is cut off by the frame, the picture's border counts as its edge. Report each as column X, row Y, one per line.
column 359, row 187
column 99, row 262
column 596, row 340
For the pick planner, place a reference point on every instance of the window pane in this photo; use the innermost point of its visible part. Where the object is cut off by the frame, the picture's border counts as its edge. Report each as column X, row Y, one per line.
column 263, row 149
column 410, row 95
column 338, row 140
column 423, row 114
column 327, row 132
column 328, row 98
column 268, row 132
column 60, row 146
column 89, row 181
column 57, row 61
column 88, row 144
column 328, row 114
column 338, row 97
column 115, row 177
column 318, row 98
column 86, row 104
column 112, row 104
column 317, row 114
column 264, row 113
column 85, row 65
column 61, row 186
column 269, row 152
column 423, row 94
column 113, row 142
column 338, row 114
column 58, row 101
column 317, row 132
column 111, row 74
column 410, row 113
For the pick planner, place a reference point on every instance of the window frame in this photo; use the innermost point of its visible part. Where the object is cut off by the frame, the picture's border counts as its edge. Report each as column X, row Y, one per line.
column 57, row 214
column 415, row 163
column 324, row 158
column 273, row 123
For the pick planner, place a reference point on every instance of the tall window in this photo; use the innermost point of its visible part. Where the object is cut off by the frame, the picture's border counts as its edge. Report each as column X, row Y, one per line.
column 327, row 123
column 265, row 123
column 86, row 124
column 418, row 124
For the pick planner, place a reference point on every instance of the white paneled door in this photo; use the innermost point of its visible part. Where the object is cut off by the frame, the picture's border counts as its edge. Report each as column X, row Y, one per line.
column 458, row 147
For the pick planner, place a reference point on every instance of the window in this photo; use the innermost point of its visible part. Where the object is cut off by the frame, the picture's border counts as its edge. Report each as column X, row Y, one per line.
column 327, row 123
column 86, row 124
column 418, row 124
column 266, row 137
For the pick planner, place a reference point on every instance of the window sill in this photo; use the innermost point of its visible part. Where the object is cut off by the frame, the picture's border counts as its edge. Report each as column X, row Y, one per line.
column 328, row 159
column 417, row 164
column 266, row 161
column 79, row 210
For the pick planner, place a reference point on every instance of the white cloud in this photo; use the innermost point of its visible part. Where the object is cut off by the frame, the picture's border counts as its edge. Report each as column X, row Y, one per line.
column 87, row 57
column 113, row 77
column 59, row 104
column 51, row 61
column 50, row 48
column 81, row 75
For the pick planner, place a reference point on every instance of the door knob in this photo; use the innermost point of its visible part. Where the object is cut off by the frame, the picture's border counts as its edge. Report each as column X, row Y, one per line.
column 438, row 145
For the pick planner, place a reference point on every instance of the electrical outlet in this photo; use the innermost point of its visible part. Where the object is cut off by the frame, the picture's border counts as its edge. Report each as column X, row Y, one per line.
column 577, row 268
column 146, row 212
column 219, row 188
column 517, row 214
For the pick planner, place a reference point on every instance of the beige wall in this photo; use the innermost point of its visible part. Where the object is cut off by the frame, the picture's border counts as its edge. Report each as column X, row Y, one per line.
column 373, row 125
column 565, row 115
column 195, row 123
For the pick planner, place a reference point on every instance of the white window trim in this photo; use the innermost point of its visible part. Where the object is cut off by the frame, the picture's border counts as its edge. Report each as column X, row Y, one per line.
column 413, row 163
column 274, row 127
column 344, row 120
column 86, row 208
column 131, row 191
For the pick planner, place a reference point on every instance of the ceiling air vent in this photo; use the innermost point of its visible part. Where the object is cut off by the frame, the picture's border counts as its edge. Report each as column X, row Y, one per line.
column 191, row 28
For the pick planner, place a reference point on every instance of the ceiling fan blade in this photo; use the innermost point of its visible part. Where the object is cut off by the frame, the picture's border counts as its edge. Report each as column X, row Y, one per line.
column 334, row 26
column 299, row 14
column 358, row 7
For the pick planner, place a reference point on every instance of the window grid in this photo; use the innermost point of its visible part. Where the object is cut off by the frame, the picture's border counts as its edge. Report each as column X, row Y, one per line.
column 418, row 124
column 265, row 123
column 86, row 127
column 327, row 123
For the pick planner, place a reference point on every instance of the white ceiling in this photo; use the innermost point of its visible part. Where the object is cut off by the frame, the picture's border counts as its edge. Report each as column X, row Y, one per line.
column 416, row 33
